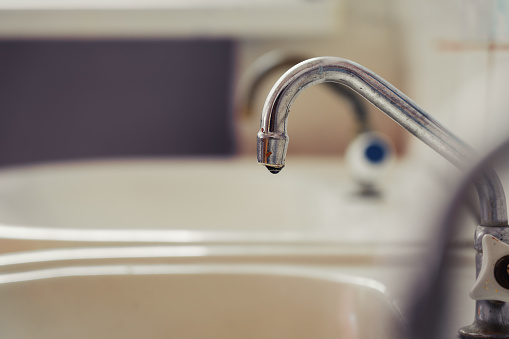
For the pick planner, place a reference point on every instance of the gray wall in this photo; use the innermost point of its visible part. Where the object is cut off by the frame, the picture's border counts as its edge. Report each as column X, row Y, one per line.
column 64, row 100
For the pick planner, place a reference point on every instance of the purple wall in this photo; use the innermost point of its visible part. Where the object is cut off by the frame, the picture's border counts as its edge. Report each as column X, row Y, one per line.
column 91, row 99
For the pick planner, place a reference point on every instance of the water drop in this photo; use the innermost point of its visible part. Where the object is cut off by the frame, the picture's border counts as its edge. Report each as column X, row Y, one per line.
column 274, row 169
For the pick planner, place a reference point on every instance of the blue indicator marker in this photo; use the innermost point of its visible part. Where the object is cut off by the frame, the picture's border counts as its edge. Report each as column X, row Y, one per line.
column 375, row 152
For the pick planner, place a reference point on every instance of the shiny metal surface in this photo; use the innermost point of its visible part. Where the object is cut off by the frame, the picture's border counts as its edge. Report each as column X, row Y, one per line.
column 273, row 138
column 266, row 64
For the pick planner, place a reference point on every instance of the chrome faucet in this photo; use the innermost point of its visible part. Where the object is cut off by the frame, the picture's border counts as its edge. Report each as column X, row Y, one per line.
column 262, row 67
column 491, row 317
column 365, row 166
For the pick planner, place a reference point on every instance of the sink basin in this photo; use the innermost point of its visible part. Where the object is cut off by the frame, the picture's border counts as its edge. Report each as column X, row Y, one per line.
column 194, row 301
column 156, row 292
column 191, row 195
column 190, row 202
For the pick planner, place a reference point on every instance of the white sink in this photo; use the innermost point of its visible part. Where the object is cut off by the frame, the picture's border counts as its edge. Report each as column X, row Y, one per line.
column 194, row 301
column 150, row 291
column 192, row 195
column 126, row 294
column 191, row 201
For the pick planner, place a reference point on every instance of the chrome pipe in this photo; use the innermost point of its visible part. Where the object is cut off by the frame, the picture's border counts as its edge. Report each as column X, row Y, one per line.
column 272, row 141
column 270, row 62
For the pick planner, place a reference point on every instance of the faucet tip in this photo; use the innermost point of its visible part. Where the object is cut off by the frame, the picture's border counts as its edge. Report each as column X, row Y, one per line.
column 274, row 169
column 271, row 150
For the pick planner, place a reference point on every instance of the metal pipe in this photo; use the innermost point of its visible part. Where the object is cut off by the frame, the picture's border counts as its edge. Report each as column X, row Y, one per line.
column 262, row 67
column 273, row 138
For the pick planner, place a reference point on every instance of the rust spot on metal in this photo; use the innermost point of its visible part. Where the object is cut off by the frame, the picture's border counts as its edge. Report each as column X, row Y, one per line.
column 263, row 131
column 268, row 154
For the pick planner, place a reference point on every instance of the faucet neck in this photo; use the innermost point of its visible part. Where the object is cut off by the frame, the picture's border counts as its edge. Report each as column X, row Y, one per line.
column 273, row 138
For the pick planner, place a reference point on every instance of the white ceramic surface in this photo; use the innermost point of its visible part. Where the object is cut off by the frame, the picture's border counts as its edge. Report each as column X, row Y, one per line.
column 194, row 301
column 189, row 201
column 188, row 194
column 149, row 292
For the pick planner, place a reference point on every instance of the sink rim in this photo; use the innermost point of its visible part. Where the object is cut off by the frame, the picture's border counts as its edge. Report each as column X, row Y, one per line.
column 194, row 269
column 330, row 172
column 182, row 236
column 146, row 234
column 362, row 257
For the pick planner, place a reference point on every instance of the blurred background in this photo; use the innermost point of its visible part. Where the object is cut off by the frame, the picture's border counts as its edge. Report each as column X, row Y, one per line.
column 93, row 79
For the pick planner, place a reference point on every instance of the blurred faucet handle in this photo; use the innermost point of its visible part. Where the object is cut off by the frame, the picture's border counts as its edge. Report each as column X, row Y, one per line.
column 369, row 158
column 493, row 280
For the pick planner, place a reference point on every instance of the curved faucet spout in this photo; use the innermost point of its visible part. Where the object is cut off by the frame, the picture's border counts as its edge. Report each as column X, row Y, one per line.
column 273, row 138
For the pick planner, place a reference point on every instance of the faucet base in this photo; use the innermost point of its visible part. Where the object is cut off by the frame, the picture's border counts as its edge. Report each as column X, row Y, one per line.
column 481, row 329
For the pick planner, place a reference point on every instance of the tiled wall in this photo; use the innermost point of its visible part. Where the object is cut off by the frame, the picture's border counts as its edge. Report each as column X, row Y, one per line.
column 459, row 56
